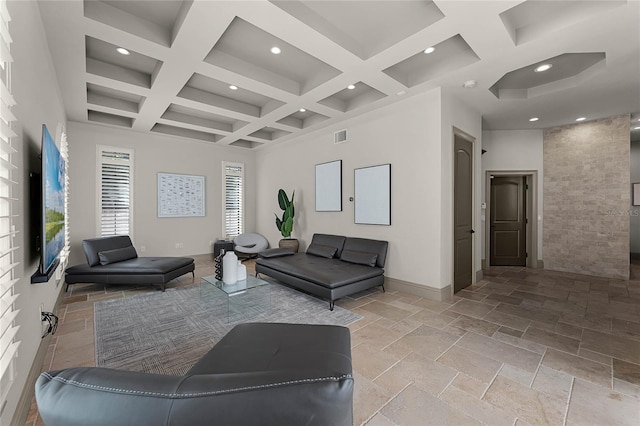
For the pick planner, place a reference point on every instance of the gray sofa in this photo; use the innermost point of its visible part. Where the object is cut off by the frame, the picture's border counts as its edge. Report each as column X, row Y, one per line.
column 258, row 374
column 113, row 260
column 333, row 266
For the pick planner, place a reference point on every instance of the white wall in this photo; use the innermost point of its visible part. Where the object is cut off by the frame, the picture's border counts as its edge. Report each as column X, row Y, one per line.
column 457, row 116
column 513, row 150
column 154, row 153
column 38, row 100
column 406, row 134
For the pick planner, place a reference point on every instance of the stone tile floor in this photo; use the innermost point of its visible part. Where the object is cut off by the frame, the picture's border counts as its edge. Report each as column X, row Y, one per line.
column 522, row 346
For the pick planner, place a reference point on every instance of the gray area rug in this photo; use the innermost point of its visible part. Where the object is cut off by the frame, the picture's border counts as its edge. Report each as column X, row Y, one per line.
column 166, row 333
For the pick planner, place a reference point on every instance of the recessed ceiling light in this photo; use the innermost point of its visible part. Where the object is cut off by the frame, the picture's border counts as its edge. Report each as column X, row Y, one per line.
column 581, row 118
column 123, row 51
column 534, row 119
column 429, row 50
column 302, row 110
column 351, row 86
column 469, row 84
column 232, row 87
column 275, row 50
column 543, row 67
column 401, row 93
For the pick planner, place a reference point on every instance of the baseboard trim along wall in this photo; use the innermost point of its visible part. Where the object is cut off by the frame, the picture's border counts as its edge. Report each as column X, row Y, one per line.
column 437, row 294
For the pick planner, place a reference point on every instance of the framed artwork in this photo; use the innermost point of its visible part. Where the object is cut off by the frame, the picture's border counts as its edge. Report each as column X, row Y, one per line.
column 373, row 195
column 180, row 195
column 636, row 194
column 329, row 186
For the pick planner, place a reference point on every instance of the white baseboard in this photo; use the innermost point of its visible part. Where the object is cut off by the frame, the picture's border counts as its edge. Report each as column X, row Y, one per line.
column 431, row 293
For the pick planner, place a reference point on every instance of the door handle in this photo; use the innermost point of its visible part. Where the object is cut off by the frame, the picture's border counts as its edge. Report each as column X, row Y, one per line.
column 472, row 231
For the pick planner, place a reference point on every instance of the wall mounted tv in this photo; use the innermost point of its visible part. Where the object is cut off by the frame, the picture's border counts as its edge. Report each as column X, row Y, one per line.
column 52, row 230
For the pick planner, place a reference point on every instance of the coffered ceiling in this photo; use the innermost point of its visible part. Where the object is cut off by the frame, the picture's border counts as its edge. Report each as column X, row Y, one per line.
column 205, row 70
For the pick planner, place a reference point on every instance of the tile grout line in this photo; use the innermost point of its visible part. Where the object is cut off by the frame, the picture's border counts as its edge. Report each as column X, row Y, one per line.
column 566, row 411
column 535, row 374
column 491, row 382
column 449, row 384
column 386, row 403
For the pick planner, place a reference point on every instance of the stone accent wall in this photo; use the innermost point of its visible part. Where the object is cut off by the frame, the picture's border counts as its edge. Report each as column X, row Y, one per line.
column 587, row 197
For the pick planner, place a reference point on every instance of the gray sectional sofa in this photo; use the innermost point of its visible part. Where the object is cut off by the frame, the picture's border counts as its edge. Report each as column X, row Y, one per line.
column 258, row 374
column 114, row 260
column 333, row 266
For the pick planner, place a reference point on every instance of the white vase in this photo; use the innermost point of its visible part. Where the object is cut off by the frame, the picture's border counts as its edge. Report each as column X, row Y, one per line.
column 242, row 271
column 230, row 268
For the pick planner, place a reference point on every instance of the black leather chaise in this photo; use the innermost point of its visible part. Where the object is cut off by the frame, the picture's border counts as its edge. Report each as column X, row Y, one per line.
column 114, row 260
column 258, row 374
column 333, row 266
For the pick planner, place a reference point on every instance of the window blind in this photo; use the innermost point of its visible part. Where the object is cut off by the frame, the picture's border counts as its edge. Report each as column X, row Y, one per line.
column 115, row 191
column 8, row 294
column 233, row 199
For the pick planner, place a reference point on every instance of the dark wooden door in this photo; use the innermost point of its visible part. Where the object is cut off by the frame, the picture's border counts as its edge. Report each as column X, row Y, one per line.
column 462, row 213
column 508, row 222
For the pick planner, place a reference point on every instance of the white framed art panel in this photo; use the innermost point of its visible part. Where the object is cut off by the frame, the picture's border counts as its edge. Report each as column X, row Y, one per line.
column 180, row 195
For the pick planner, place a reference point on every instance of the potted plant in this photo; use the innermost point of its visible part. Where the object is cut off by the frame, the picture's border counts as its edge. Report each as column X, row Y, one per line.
column 285, row 225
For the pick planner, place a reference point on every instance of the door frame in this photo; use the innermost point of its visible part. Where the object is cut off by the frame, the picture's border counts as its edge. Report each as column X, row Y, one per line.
column 531, row 214
column 464, row 135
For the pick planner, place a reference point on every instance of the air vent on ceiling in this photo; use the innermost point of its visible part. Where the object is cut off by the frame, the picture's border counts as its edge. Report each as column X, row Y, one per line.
column 340, row 136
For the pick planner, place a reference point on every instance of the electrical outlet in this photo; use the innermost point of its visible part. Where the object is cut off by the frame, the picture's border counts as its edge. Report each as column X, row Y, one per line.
column 181, row 245
column 142, row 248
column 177, row 245
column 211, row 243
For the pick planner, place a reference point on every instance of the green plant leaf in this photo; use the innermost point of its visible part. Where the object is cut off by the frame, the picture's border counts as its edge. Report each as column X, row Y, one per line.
column 278, row 223
column 288, row 213
column 283, row 200
column 287, row 227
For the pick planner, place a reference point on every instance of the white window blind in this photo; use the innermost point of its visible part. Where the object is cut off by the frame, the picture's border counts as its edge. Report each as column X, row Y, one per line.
column 115, row 189
column 233, row 193
column 8, row 295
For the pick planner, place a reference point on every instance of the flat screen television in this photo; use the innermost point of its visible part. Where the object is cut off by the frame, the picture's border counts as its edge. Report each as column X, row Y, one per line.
column 53, row 229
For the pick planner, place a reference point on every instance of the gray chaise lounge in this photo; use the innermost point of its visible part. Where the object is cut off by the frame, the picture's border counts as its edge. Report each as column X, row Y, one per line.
column 333, row 266
column 113, row 260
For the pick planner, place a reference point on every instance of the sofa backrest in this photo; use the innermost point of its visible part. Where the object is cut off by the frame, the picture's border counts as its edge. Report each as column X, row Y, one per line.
column 329, row 240
column 93, row 246
column 365, row 245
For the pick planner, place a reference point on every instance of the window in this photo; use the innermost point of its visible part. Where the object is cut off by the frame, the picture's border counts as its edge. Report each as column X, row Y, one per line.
column 8, row 295
column 233, row 193
column 115, row 188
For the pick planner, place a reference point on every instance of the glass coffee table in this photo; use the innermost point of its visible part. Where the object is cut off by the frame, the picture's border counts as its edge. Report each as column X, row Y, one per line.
column 245, row 299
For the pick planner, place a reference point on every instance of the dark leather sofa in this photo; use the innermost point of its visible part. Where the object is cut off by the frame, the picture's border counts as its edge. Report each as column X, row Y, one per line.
column 333, row 266
column 258, row 374
column 113, row 260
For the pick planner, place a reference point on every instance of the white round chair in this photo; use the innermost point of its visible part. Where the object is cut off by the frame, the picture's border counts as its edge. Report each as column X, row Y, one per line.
column 249, row 244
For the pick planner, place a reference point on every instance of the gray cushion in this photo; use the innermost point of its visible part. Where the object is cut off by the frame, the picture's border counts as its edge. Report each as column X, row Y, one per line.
column 359, row 257
column 322, row 251
column 117, row 255
column 93, row 246
column 276, row 252
column 368, row 246
column 329, row 240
